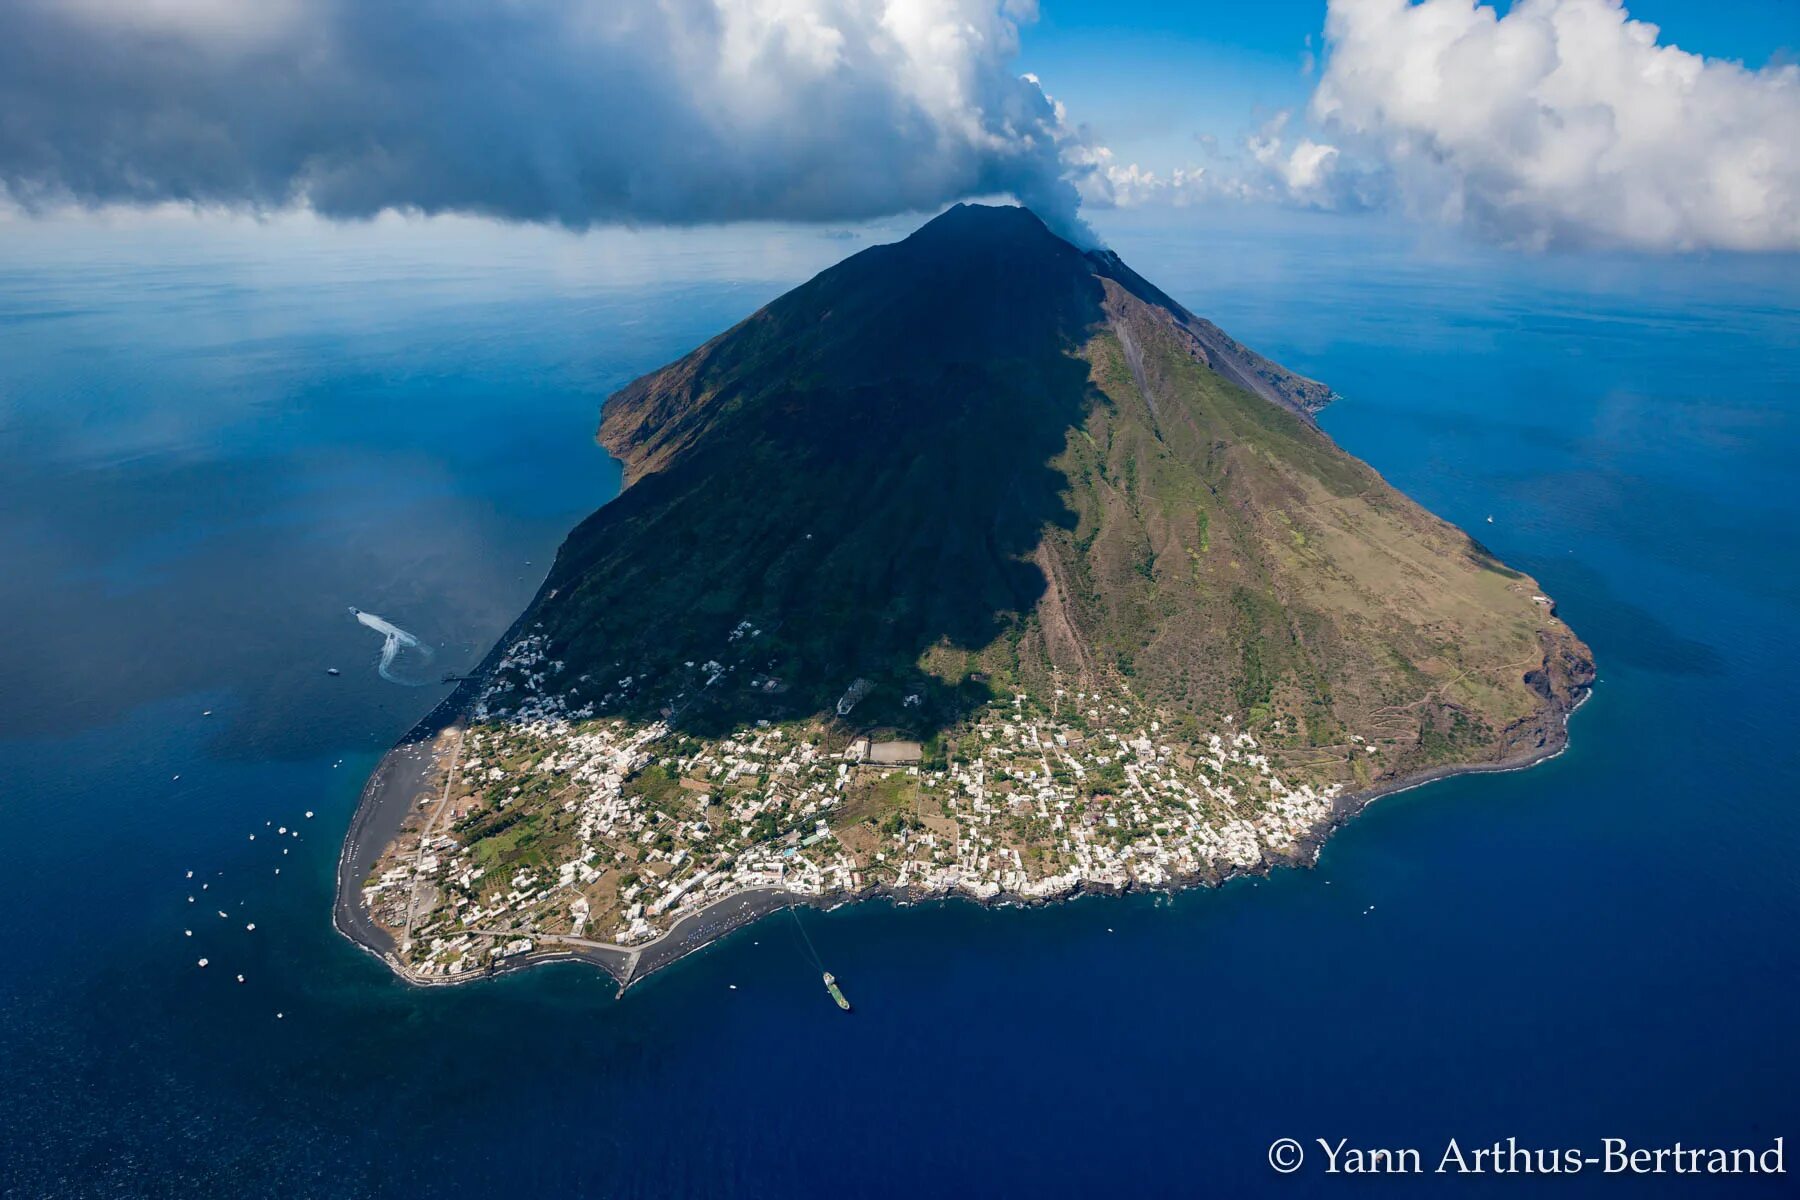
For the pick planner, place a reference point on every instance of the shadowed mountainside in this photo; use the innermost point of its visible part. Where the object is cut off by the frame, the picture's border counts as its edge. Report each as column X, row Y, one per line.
column 980, row 459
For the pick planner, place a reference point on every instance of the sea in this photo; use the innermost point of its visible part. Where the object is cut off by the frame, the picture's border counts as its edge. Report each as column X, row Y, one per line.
column 218, row 436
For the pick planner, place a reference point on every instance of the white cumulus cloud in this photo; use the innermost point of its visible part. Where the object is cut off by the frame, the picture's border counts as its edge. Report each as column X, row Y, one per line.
column 1303, row 171
column 1563, row 122
column 1269, row 166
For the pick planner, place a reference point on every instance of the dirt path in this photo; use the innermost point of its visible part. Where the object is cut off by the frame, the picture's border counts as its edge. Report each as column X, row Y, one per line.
column 1059, row 630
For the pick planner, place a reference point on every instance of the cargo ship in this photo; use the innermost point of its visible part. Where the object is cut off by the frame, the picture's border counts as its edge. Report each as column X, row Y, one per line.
column 836, row 993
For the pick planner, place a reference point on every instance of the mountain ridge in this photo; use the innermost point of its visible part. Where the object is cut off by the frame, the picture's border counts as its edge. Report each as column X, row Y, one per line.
column 828, row 388
column 974, row 564
column 624, row 433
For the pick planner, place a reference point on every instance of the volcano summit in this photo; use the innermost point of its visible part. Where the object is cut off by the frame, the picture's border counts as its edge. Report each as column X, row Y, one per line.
column 975, row 564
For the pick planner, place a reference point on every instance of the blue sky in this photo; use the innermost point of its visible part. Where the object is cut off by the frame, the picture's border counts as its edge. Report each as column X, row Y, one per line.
column 1149, row 75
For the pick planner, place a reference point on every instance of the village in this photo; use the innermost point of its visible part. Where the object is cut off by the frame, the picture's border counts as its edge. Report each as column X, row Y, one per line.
column 553, row 825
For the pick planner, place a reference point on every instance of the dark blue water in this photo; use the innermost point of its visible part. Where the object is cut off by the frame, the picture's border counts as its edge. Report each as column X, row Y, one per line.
column 211, row 446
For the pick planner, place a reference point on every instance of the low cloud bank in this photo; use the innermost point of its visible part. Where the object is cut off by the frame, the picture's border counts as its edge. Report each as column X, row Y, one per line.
column 567, row 111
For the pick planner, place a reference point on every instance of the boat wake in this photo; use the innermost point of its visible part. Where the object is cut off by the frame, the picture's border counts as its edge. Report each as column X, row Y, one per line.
column 394, row 642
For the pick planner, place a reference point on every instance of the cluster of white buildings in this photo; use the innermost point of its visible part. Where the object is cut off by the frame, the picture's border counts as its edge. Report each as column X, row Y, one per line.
column 1080, row 789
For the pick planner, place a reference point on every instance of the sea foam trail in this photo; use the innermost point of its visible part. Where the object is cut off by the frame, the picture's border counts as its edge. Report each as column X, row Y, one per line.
column 394, row 640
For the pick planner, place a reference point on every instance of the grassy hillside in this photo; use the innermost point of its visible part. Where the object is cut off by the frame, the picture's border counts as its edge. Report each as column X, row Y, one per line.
column 975, row 565
column 980, row 460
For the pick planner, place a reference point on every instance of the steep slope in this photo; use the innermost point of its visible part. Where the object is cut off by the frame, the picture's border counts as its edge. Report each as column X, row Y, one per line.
column 976, row 565
column 980, row 459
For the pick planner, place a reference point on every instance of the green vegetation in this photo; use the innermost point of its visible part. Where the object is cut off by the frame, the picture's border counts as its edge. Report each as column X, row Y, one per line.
column 982, row 463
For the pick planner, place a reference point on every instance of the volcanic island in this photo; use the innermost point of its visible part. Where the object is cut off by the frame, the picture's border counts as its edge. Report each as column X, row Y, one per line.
column 974, row 566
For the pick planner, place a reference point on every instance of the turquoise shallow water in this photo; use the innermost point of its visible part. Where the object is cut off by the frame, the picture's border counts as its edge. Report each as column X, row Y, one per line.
column 208, row 453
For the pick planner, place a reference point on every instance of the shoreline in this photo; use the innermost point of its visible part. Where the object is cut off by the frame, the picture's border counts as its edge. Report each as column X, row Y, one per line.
column 411, row 758
column 382, row 806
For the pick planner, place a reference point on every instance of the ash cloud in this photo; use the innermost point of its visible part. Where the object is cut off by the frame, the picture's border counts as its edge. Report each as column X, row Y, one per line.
column 573, row 112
